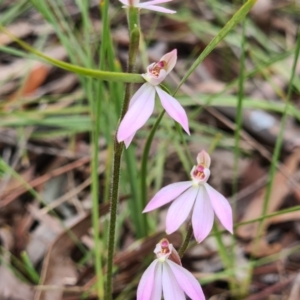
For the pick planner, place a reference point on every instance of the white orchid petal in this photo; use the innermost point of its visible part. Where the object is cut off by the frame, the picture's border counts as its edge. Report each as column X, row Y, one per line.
column 187, row 281
column 167, row 194
column 157, row 288
column 125, row 2
column 147, row 281
column 128, row 141
column 154, row 2
column 171, row 288
column 173, row 108
column 203, row 215
column 221, row 207
column 156, row 8
column 138, row 114
column 180, row 209
column 139, row 93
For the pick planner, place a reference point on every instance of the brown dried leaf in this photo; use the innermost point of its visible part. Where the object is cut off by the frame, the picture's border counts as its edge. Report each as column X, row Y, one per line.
column 13, row 184
column 295, row 290
column 280, row 190
column 11, row 287
column 42, row 179
column 59, row 255
column 35, row 78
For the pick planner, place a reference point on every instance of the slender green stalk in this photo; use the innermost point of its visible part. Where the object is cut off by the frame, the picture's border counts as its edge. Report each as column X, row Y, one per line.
column 184, row 144
column 114, row 193
column 186, row 241
column 277, row 213
column 133, row 22
column 134, row 202
column 95, row 203
column 145, row 159
column 118, row 149
column 117, row 92
column 222, row 250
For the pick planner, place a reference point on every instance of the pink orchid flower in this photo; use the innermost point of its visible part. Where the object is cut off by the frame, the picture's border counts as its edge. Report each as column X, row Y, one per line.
column 166, row 275
column 196, row 196
column 141, row 105
column 151, row 5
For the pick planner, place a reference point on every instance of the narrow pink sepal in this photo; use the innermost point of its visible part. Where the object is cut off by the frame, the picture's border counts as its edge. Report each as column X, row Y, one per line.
column 155, row 2
column 187, row 281
column 139, row 93
column 180, row 209
column 133, row 3
column 157, row 8
column 221, row 207
column 128, row 141
column 174, row 109
column 203, row 215
column 167, row 194
column 158, row 282
column 203, row 158
column 170, row 58
column 125, row 2
column 146, row 284
column 171, row 288
column 138, row 113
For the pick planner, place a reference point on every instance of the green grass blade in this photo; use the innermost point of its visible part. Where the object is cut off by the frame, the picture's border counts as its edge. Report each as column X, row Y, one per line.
column 103, row 75
column 279, row 140
column 30, row 268
column 237, row 17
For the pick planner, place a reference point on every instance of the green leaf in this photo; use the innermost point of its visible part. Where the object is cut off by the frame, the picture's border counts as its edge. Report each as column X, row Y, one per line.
column 103, row 75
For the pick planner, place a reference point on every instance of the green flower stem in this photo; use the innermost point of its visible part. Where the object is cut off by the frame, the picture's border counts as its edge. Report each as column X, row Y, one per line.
column 145, row 159
column 133, row 18
column 186, row 241
column 118, row 149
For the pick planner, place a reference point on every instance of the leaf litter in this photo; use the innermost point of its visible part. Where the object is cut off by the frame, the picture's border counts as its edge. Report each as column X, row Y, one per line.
column 54, row 160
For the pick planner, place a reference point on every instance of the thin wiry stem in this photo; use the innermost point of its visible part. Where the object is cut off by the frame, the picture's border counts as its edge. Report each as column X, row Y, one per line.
column 186, row 241
column 118, row 149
